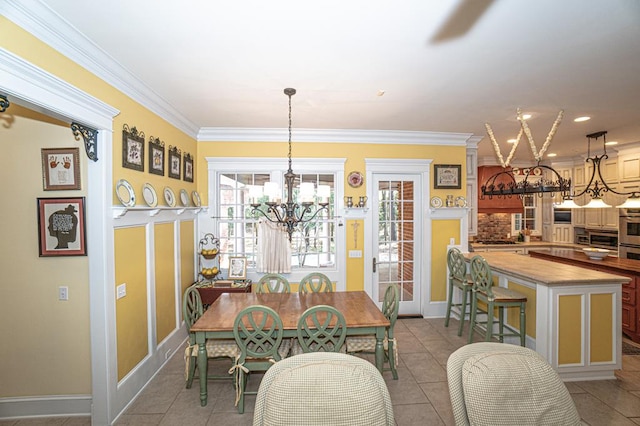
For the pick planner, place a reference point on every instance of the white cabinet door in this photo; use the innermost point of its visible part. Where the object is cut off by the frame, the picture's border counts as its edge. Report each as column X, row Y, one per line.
column 562, row 234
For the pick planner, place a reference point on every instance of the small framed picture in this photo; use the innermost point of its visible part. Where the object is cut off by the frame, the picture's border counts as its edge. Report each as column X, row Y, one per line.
column 60, row 168
column 132, row 149
column 61, row 227
column 156, row 156
column 187, row 173
column 447, row 176
column 237, row 268
column 174, row 162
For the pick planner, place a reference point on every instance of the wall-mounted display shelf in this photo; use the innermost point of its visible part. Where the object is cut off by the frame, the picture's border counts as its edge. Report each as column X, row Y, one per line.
column 120, row 211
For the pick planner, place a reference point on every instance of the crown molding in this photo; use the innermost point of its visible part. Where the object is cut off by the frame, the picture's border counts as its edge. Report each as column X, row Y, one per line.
column 390, row 137
column 39, row 20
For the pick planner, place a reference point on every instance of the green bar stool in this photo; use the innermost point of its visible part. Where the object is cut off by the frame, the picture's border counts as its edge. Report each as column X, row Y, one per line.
column 494, row 297
column 458, row 278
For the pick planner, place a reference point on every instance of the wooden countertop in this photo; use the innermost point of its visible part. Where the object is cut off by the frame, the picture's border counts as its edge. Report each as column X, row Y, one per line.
column 530, row 245
column 545, row 272
column 610, row 263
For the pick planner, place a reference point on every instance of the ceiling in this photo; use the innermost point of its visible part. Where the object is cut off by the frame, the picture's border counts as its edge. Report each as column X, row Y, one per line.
column 443, row 65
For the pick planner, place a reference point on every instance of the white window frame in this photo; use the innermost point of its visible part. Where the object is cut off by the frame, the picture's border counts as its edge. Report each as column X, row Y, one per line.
column 277, row 167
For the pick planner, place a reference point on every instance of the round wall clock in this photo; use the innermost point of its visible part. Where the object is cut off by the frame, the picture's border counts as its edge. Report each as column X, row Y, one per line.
column 355, row 179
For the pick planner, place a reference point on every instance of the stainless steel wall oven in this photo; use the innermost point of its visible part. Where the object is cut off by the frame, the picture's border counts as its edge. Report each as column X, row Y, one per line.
column 629, row 234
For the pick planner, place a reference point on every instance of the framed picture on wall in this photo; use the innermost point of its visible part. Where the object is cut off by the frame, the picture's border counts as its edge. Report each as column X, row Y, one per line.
column 447, row 176
column 60, row 168
column 132, row 149
column 156, row 156
column 174, row 162
column 187, row 173
column 237, row 268
column 61, row 227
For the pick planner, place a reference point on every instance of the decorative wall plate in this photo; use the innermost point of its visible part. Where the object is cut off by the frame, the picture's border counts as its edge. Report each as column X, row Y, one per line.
column 125, row 193
column 184, row 198
column 169, row 197
column 149, row 195
column 461, row 201
column 195, row 197
column 355, row 179
column 436, row 202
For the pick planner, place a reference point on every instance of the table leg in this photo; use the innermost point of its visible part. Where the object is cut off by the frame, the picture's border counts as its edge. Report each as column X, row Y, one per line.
column 380, row 348
column 202, row 370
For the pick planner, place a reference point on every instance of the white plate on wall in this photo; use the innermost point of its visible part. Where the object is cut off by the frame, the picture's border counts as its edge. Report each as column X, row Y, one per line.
column 149, row 195
column 195, row 197
column 169, row 197
column 184, row 198
column 125, row 193
column 436, row 202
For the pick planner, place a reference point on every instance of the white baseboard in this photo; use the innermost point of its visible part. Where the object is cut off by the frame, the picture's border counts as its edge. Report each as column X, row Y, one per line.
column 45, row 406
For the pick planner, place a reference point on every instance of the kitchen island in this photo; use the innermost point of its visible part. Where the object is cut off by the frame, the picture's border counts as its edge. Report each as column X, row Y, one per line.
column 615, row 265
column 573, row 317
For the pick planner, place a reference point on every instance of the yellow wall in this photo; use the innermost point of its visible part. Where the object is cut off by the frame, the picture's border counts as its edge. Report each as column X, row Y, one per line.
column 131, row 310
column 569, row 329
column 165, row 280
column 443, row 231
column 513, row 314
column 601, row 328
column 34, row 322
column 66, row 334
column 187, row 250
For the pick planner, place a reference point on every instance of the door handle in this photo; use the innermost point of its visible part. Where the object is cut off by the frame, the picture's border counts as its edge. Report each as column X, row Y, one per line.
column 374, row 264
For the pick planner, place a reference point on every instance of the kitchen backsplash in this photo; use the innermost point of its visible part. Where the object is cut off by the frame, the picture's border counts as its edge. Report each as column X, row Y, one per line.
column 494, row 226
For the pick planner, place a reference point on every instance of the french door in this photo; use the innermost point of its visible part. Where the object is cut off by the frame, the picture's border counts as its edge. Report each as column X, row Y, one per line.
column 397, row 239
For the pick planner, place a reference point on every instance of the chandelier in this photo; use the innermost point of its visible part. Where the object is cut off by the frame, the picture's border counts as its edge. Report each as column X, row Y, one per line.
column 291, row 214
column 597, row 186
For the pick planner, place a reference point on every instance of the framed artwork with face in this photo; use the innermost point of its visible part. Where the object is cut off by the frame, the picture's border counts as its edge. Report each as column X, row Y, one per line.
column 61, row 227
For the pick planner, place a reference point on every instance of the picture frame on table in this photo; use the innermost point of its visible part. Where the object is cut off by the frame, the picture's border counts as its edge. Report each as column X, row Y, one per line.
column 447, row 176
column 156, row 156
column 60, row 169
column 132, row 149
column 61, row 227
column 187, row 173
column 175, row 158
column 237, row 268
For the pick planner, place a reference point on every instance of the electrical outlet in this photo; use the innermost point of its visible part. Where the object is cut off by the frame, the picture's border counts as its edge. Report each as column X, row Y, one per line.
column 121, row 291
column 63, row 293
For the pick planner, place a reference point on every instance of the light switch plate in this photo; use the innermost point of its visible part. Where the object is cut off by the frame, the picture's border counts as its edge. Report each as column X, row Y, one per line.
column 121, row 291
column 355, row 253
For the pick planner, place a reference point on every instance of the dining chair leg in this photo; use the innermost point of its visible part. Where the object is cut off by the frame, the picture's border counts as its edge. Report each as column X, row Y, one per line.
column 192, row 371
column 501, row 323
column 242, row 384
column 472, row 318
column 392, row 359
column 463, row 311
column 449, row 302
column 489, row 333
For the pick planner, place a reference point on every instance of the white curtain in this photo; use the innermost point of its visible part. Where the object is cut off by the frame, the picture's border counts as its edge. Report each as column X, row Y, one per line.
column 274, row 249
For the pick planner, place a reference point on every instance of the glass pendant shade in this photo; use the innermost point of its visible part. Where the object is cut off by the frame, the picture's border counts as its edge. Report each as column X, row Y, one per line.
column 596, row 203
column 567, row 204
column 630, row 203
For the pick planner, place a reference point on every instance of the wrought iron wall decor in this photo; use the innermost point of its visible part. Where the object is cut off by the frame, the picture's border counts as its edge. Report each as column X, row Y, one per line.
column 175, row 158
column 4, row 103
column 156, row 156
column 187, row 173
column 90, row 137
column 132, row 148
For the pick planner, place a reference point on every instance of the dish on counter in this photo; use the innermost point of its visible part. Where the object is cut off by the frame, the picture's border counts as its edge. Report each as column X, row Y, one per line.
column 195, row 197
column 596, row 253
column 436, row 202
column 169, row 197
column 149, row 195
column 184, row 198
column 125, row 193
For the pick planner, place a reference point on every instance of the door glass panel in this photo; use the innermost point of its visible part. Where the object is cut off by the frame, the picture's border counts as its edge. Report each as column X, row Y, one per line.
column 396, row 237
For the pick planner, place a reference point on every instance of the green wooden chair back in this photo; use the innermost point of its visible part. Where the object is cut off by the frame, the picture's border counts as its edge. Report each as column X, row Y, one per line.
column 457, row 265
column 273, row 283
column 390, row 306
column 258, row 332
column 315, row 282
column 191, row 306
column 482, row 276
column 321, row 328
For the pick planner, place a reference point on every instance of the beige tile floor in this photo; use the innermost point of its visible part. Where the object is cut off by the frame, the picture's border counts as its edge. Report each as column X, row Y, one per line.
column 420, row 396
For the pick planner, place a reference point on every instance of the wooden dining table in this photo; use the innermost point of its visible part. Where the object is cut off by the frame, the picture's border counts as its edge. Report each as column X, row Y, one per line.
column 361, row 314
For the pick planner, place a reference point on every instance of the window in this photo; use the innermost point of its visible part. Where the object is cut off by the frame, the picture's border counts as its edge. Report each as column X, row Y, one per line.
column 529, row 219
column 313, row 245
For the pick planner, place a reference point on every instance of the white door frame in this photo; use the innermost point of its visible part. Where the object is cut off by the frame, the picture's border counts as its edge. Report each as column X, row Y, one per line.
column 400, row 167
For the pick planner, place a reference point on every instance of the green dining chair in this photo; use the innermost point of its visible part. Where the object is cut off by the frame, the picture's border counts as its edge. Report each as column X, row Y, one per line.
column 458, row 278
column 258, row 332
column 367, row 344
column 315, row 282
column 321, row 328
column 216, row 348
column 494, row 297
column 273, row 283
